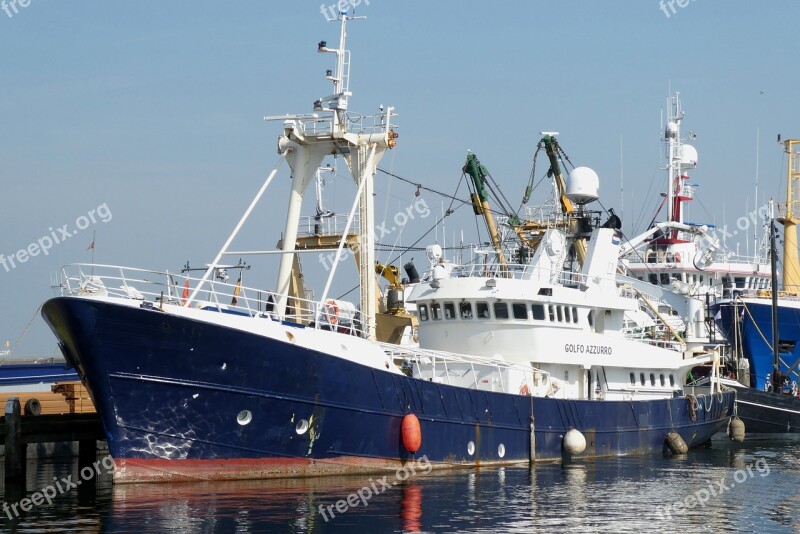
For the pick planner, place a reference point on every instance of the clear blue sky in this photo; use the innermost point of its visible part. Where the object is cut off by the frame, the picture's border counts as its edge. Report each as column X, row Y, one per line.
column 155, row 110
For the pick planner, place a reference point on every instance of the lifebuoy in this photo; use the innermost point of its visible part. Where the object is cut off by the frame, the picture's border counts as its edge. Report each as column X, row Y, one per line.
column 677, row 257
column 185, row 294
column 332, row 311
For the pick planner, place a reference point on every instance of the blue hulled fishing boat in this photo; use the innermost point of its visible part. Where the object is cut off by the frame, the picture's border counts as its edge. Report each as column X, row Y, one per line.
column 516, row 362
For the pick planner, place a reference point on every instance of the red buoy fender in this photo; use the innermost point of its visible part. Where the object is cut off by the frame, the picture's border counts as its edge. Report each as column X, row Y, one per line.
column 411, row 433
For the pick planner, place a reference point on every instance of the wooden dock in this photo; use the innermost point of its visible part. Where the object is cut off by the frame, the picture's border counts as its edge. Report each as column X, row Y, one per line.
column 63, row 398
column 66, row 414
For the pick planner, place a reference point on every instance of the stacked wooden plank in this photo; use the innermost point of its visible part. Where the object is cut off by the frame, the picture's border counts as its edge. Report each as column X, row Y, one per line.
column 64, row 398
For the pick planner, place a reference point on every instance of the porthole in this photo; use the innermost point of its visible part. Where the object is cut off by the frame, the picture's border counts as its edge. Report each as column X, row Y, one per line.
column 302, row 427
column 471, row 448
column 244, row 417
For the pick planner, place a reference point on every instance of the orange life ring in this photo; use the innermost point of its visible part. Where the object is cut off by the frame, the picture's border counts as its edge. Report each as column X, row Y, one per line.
column 332, row 311
column 185, row 294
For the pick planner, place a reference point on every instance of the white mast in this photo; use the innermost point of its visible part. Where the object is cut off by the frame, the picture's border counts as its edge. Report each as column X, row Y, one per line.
column 307, row 140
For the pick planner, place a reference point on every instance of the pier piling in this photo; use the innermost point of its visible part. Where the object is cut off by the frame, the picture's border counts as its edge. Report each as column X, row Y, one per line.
column 15, row 449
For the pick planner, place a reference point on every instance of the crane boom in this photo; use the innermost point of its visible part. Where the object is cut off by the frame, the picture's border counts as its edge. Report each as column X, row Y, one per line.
column 480, row 203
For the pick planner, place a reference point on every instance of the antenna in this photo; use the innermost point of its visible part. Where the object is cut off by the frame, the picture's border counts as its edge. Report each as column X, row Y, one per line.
column 755, row 204
column 621, row 182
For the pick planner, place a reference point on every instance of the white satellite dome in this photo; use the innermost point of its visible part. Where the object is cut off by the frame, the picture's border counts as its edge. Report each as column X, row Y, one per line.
column 583, row 185
column 689, row 156
column 434, row 252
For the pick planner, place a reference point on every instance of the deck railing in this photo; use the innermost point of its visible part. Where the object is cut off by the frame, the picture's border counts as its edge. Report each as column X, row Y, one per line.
column 159, row 289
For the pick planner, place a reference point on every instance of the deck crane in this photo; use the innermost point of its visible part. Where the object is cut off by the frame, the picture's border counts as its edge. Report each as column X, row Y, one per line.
column 480, row 203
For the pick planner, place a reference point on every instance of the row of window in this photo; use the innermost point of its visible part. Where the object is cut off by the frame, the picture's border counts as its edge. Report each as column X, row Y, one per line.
column 745, row 282
column 662, row 380
column 740, row 282
column 499, row 310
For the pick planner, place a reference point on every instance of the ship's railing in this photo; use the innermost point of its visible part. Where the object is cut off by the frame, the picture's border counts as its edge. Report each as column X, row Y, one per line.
column 468, row 371
column 325, row 123
column 686, row 191
column 637, row 257
column 159, row 289
column 520, row 271
column 546, row 213
column 326, row 225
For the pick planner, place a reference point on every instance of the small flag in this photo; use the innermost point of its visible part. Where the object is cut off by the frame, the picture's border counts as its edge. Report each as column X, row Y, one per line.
column 236, row 291
column 91, row 246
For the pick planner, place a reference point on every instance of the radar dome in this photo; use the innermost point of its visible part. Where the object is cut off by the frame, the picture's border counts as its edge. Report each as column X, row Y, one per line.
column 434, row 252
column 689, row 156
column 582, row 185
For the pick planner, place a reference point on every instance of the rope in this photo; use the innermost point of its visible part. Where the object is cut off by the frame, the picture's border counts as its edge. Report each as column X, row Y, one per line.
column 767, row 343
column 22, row 335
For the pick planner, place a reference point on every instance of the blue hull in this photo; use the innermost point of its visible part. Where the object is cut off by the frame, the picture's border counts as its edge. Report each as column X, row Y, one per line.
column 169, row 391
column 19, row 374
column 756, row 336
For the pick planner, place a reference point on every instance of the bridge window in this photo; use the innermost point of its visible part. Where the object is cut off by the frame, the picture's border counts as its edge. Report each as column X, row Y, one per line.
column 633, row 379
column 664, row 279
column 653, row 278
column 567, row 315
column 436, row 311
column 465, row 309
column 663, row 383
column 671, row 381
column 551, row 312
column 652, row 379
column 520, row 310
column 449, row 311
column 423, row 312
column 560, row 312
column 538, row 312
column 482, row 310
column 641, row 378
column 500, row 310
column 740, row 282
column 574, row 315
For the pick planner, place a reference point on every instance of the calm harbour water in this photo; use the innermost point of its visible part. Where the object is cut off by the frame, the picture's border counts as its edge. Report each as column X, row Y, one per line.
column 761, row 480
